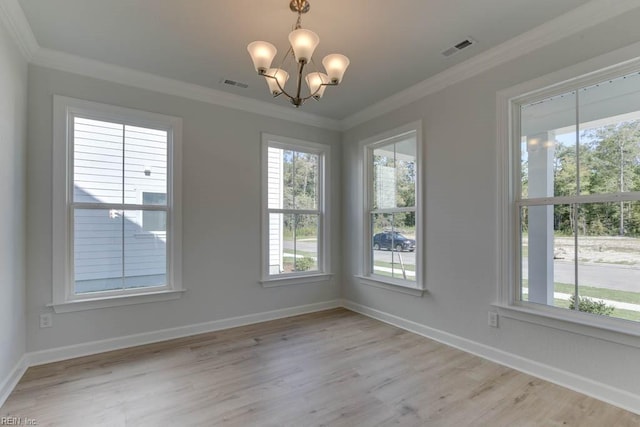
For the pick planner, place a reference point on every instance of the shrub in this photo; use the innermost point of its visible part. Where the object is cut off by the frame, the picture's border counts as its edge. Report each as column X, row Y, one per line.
column 591, row 306
column 304, row 264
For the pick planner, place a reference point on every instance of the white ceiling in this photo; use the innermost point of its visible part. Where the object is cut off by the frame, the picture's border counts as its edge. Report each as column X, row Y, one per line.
column 391, row 44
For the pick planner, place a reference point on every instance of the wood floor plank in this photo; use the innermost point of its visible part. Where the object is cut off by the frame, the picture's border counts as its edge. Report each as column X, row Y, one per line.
column 332, row 368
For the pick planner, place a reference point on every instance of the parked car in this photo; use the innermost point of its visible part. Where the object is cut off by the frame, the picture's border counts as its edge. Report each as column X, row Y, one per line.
column 393, row 240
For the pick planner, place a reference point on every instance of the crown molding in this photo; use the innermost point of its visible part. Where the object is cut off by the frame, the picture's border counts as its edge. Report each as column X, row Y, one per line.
column 91, row 68
column 572, row 22
column 14, row 20
column 12, row 16
column 581, row 18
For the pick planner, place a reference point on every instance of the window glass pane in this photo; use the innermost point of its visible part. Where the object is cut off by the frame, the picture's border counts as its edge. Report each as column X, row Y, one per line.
column 293, row 243
column 393, row 247
column 97, row 161
column 305, row 181
column 306, row 243
column 145, row 162
column 104, row 261
column 548, row 254
column 158, row 199
column 98, row 256
column 275, row 178
column 145, row 254
column 609, row 258
column 276, row 244
column 288, row 243
column 406, row 173
column 610, row 133
column 154, row 220
column 288, row 168
column 394, row 174
column 548, row 158
column 384, row 177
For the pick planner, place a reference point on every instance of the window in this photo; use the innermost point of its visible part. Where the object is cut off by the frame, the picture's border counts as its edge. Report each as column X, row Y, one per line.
column 392, row 216
column 574, row 200
column 116, row 216
column 154, row 221
column 295, row 237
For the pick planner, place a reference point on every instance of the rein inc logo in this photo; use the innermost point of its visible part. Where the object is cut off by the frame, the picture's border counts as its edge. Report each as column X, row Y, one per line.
column 18, row 421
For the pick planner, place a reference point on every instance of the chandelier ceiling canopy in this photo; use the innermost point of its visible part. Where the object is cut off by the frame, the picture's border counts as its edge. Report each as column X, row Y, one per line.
column 299, row 56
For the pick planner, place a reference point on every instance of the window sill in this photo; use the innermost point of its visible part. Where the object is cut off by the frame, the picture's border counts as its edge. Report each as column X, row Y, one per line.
column 114, row 301
column 295, row 280
column 392, row 285
column 601, row 327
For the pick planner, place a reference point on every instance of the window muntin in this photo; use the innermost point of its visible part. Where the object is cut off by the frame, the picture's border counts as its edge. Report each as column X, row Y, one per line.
column 295, row 208
column 113, row 169
column 392, row 231
column 578, row 198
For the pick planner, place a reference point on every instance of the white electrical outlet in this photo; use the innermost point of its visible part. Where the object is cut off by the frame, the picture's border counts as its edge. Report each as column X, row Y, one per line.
column 46, row 320
column 493, row 319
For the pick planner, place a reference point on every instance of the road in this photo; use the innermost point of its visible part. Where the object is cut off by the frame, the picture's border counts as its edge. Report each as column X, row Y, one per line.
column 310, row 246
column 609, row 276
column 304, row 245
column 409, row 258
column 600, row 275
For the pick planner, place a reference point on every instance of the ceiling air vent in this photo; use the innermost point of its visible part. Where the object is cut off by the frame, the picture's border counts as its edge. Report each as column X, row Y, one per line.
column 234, row 83
column 459, row 46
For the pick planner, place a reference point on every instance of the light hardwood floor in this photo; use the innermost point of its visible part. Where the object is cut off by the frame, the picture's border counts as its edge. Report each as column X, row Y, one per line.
column 332, row 368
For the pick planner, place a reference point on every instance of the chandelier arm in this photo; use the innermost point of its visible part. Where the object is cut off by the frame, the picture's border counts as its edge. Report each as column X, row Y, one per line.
column 280, row 87
column 300, row 68
column 318, row 90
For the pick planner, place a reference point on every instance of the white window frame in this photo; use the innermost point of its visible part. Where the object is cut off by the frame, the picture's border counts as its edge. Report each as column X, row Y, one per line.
column 366, row 276
column 323, row 211
column 509, row 140
column 64, row 297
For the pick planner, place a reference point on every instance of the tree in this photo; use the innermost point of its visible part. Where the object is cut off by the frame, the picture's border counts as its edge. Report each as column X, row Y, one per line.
column 300, row 192
column 614, row 166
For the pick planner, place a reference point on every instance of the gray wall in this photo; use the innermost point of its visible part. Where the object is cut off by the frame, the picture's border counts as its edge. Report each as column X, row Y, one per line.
column 221, row 215
column 459, row 133
column 13, row 117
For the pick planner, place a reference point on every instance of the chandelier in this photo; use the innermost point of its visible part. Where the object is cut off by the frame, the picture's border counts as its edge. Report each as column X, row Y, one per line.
column 303, row 42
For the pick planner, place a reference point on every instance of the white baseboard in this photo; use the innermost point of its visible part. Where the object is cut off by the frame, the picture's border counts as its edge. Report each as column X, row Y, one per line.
column 612, row 395
column 85, row 349
column 9, row 383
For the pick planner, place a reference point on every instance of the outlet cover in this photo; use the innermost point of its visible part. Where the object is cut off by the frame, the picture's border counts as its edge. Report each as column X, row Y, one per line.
column 493, row 319
column 46, row 320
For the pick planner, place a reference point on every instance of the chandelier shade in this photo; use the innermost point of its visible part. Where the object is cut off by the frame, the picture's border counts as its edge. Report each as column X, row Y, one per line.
column 262, row 54
column 298, row 57
column 304, row 43
column 275, row 85
column 317, row 84
column 335, row 65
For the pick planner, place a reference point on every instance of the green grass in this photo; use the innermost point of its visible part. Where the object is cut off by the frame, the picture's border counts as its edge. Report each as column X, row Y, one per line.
column 626, row 314
column 398, row 275
column 617, row 313
column 407, row 267
column 299, row 252
column 591, row 292
column 600, row 293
